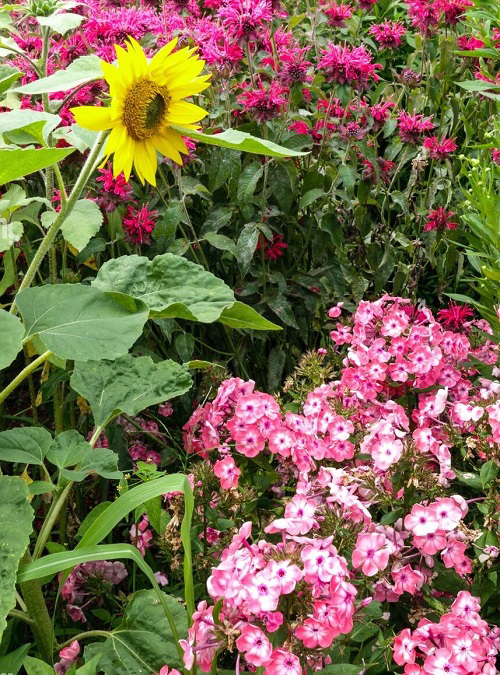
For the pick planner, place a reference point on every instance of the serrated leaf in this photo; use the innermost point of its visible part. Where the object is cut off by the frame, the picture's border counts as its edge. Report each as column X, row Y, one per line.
column 248, row 182
column 82, row 223
column 99, row 461
column 11, row 333
column 16, row 517
column 309, row 197
column 221, row 242
column 24, row 445
column 240, row 140
column 68, row 449
column 80, row 322
column 21, row 162
column 246, row 245
column 128, row 384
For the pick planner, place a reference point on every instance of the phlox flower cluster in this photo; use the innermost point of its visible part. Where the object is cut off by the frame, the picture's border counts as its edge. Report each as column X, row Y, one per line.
column 460, row 643
column 327, row 556
column 86, row 585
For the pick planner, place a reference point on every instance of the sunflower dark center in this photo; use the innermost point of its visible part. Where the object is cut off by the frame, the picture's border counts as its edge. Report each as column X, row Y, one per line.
column 144, row 109
column 155, row 110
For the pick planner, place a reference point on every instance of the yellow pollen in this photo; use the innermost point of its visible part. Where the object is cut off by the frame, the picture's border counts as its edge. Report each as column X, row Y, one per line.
column 144, row 109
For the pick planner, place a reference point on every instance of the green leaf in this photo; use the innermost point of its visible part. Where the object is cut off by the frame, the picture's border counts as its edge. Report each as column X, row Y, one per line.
column 240, row 315
column 246, row 245
column 11, row 333
column 82, row 323
column 80, row 225
column 470, row 479
column 25, row 445
column 37, row 667
column 91, row 517
column 143, row 642
column 35, row 125
column 41, row 487
column 221, row 242
column 348, row 175
column 10, row 233
column 7, row 80
column 170, row 285
column 309, row 197
column 16, row 517
column 89, row 668
column 489, row 471
column 68, row 449
column 137, row 497
column 20, row 162
column 128, row 385
column 363, row 632
column 61, row 23
column 101, row 462
column 240, row 140
column 248, row 182
column 12, row 663
column 81, row 71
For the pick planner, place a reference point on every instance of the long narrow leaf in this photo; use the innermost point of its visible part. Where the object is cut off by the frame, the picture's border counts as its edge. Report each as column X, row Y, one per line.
column 134, row 498
column 59, row 562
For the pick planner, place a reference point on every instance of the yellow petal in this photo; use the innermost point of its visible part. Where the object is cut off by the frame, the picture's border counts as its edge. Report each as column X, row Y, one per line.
column 137, row 58
column 159, row 57
column 93, row 117
column 124, row 158
column 145, row 161
column 116, row 138
column 168, row 145
column 199, row 84
column 182, row 112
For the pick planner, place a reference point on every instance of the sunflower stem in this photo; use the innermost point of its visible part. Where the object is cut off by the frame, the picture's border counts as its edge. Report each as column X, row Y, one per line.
column 66, row 209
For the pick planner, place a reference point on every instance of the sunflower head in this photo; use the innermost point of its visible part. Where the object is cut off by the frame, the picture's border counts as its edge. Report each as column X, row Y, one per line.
column 146, row 100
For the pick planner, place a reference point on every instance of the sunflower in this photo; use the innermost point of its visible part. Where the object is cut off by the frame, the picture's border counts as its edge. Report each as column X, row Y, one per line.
column 145, row 102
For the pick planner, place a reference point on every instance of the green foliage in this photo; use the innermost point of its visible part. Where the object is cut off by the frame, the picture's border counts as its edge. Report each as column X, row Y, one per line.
column 16, row 516
column 82, row 323
column 11, row 330
column 143, row 642
column 81, row 71
column 128, row 384
column 19, row 162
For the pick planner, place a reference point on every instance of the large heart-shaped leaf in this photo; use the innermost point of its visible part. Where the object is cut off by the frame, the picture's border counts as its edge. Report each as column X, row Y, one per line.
column 11, row 333
column 20, row 162
column 128, row 384
column 81, row 323
column 70, row 449
column 174, row 287
column 143, row 642
column 169, row 284
column 24, row 445
column 82, row 70
column 16, row 517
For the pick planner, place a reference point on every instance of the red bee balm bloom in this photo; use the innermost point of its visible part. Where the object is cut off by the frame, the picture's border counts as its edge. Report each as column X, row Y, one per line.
column 348, row 66
column 138, row 224
column 439, row 150
column 388, row 34
column 264, row 103
column 455, row 316
column 274, row 248
column 439, row 219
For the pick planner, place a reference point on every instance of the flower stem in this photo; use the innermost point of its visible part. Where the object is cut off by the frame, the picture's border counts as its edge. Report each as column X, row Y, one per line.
column 37, row 610
column 81, row 181
column 23, row 375
column 84, row 636
column 50, row 520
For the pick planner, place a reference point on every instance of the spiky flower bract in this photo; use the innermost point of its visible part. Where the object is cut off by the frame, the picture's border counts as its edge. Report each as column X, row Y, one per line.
column 145, row 103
